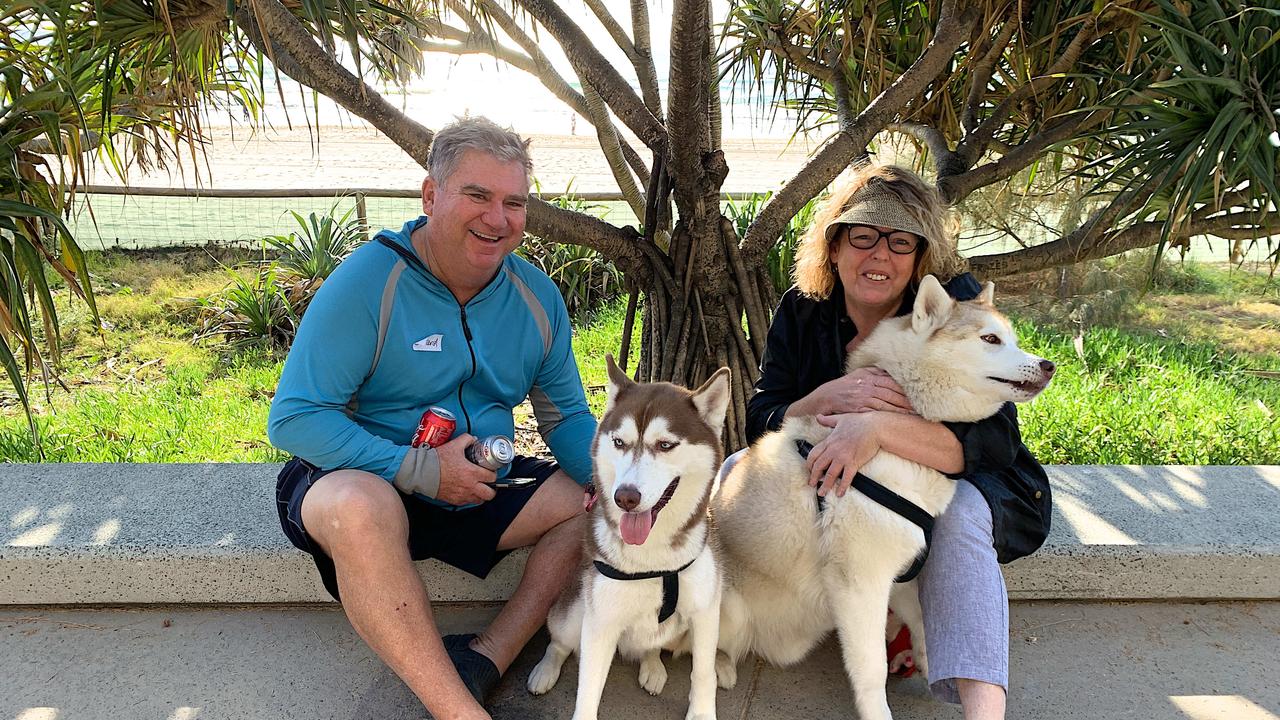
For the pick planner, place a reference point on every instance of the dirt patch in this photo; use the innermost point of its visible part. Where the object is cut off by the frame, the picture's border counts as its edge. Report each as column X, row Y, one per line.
column 1245, row 326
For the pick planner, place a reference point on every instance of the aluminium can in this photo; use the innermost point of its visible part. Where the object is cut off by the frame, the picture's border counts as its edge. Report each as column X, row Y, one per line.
column 491, row 452
column 435, row 428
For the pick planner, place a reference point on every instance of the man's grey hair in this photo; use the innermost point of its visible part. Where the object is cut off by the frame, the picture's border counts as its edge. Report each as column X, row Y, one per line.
column 475, row 133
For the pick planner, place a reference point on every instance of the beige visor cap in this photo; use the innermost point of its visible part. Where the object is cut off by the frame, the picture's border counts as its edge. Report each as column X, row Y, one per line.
column 877, row 206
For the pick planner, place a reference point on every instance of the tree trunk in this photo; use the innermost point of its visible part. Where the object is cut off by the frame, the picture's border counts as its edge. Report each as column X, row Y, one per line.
column 694, row 314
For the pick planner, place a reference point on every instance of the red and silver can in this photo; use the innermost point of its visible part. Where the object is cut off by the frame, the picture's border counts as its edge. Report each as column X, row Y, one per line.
column 491, row 452
column 435, row 428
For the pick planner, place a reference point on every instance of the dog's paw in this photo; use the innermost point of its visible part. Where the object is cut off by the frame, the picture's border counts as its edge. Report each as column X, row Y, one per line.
column 703, row 716
column 726, row 672
column 544, row 677
column 653, row 674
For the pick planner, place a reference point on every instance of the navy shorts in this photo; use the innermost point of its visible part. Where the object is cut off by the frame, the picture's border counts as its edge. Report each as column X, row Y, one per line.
column 466, row 539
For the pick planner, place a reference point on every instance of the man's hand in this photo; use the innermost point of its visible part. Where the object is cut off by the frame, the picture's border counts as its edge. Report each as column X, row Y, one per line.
column 864, row 390
column 461, row 482
column 834, row 461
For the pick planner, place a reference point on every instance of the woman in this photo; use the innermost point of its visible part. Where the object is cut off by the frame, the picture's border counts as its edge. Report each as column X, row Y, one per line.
column 860, row 262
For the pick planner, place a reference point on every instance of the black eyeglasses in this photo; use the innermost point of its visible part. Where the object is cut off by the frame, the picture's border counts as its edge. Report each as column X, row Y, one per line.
column 899, row 242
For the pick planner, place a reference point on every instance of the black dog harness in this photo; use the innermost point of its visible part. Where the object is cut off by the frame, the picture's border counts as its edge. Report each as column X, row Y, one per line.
column 892, row 501
column 670, row 583
column 670, row 578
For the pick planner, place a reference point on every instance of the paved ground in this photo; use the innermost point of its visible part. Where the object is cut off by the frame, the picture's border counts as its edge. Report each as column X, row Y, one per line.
column 1070, row 660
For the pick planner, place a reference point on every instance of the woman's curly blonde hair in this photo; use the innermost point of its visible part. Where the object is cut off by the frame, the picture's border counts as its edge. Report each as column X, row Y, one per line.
column 814, row 272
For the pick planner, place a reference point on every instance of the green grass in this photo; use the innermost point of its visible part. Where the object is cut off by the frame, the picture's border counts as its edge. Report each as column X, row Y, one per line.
column 1172, row 369
column 1177, row 375
column 600, row 335
column 198, row 412
column 1138, row 398
column 140, row 390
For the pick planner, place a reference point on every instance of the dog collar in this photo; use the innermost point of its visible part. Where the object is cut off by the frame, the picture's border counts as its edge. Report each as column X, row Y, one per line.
column 892, row 501
column 670, row 583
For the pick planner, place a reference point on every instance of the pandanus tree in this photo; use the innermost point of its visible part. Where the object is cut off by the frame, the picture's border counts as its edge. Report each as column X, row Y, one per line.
column 1160, row 112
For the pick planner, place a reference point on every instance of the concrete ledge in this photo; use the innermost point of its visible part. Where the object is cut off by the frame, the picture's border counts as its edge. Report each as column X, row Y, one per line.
column 208, row 533
column 1156, row 532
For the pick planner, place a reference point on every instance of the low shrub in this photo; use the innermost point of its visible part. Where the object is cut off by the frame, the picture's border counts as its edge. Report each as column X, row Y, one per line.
column 319, row 245
column 782, row 256
column 586, row 279
column 252, row 312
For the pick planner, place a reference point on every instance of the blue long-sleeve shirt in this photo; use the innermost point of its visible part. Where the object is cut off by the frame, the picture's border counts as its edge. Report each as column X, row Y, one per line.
column 383, row 340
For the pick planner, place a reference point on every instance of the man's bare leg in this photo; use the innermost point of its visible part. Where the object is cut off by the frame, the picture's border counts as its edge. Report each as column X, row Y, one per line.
column 553, row 522
column 359, row 520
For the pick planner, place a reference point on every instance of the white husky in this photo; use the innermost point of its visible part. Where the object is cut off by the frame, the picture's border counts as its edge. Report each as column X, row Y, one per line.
column 794, row 572
column 651, row 580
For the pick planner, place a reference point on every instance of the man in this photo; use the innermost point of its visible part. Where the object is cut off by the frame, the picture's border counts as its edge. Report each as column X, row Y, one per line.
column 438, row 314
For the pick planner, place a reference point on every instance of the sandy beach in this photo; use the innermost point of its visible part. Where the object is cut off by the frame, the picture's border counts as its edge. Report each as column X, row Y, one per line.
column 349, row 157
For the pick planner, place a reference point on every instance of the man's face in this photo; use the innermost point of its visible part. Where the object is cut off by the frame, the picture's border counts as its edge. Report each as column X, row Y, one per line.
column 477, row 217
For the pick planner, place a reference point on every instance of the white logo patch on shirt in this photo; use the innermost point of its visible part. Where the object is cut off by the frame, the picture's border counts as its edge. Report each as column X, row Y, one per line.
column 430, row 343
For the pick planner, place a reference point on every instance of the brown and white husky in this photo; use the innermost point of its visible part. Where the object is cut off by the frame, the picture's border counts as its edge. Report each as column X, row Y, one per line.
column 650, row 580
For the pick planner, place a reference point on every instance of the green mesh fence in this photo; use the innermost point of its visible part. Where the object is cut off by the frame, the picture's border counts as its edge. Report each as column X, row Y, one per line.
column 135, row 221
column 101, row 221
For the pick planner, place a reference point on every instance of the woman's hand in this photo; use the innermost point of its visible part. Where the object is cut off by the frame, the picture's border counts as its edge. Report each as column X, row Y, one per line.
column 834, row 461
column 864, row 390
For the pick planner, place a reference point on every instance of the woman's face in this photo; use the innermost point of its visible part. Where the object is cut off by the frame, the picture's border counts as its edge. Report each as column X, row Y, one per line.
column 876, row 278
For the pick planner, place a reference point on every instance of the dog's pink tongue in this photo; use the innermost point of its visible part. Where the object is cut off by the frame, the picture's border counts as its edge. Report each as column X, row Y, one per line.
column 636, row 527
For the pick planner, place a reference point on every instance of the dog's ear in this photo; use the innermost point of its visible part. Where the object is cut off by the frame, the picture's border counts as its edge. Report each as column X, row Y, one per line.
column 712, row 399
column 618, row 381
column 933, row 306
column 988, row 294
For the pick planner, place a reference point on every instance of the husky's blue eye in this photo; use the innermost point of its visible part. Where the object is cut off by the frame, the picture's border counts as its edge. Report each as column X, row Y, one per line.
column 666, row 445
column 991, row 339
column 617, row 442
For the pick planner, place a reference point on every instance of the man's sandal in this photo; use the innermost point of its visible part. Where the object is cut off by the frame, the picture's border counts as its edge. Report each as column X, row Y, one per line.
column 478, row 672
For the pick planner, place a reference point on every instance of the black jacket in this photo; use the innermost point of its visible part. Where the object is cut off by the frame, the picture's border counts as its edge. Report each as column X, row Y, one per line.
column 805, row 349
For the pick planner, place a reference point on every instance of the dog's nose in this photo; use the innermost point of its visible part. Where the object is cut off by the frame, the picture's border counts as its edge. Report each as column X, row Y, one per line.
column 627, row 497
column 1047, row 367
